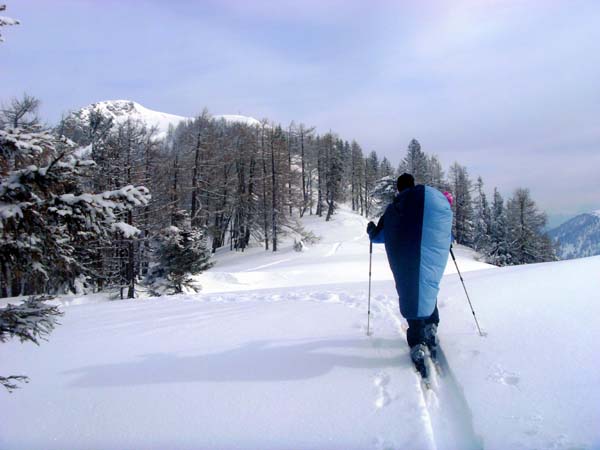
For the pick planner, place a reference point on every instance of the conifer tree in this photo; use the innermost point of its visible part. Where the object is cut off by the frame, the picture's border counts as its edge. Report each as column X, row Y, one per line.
column 385, row 168
column 525, row 230
column 498, row 252
column 460, row 186
column 31, row 321
column 357, row 177
column 370, row 178
column 6, row 21
column 483, row 219
column 415, row 162
column 48, row 217
column 435, row 174
column 333, row 173
column 383, row 194
column 182, row 251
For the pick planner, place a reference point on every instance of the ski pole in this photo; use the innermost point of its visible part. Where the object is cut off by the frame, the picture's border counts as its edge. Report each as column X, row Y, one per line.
column 467, row 294
column 370, row 263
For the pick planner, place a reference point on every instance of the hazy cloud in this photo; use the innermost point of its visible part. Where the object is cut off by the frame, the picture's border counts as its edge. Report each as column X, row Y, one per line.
column 508, row 88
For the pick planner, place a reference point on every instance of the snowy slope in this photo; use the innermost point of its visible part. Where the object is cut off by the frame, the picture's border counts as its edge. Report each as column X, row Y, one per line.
column 534, row 381
column 121, row 110
column 578, row 237
column 236, row 118
column 274, row 355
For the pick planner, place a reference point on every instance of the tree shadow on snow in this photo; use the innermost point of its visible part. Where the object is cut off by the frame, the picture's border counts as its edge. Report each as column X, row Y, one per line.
column 259, row 361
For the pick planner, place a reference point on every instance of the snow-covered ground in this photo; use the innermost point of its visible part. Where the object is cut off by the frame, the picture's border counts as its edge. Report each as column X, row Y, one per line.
column 273, row 354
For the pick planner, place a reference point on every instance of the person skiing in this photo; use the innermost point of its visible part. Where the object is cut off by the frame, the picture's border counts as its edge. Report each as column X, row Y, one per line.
column 416, row 229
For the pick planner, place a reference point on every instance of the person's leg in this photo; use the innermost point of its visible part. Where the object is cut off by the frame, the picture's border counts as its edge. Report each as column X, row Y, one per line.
column 416, row 341
column 414, row 333
column 416, row 328
column 434, row 317
column 430, row 331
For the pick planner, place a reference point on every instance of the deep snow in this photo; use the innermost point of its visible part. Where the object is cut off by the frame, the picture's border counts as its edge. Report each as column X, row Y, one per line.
column 274, row 354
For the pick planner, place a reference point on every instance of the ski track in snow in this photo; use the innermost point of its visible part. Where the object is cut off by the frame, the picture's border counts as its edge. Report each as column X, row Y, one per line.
column 445, row 410
column 450, row 413
column 274, row 263
column 334, row 249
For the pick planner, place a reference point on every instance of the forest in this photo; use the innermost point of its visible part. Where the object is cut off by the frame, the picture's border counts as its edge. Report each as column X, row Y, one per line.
column 98, row 204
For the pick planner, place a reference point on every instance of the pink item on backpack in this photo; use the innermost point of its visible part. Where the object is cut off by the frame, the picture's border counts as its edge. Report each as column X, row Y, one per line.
column 448, row 195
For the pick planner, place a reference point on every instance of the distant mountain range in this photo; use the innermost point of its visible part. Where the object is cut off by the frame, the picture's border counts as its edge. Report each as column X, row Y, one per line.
column 578, row 237
column 121, row 110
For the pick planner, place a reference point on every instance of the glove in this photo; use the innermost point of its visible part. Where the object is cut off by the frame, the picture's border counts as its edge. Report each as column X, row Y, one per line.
column 370, row 228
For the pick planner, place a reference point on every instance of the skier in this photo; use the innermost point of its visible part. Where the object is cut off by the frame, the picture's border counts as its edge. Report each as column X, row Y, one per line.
column 416, row 229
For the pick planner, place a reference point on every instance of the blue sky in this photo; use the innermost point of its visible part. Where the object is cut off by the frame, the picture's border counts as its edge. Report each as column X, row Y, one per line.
column 508, row 88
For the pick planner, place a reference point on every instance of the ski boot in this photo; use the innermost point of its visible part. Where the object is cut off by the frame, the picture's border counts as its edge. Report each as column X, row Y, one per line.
column 417, row 354
column 431, row 339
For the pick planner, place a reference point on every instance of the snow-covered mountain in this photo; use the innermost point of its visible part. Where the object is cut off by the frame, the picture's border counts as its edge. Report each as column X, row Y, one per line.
column 121, row 110
column 578, row 237
column 236, row 118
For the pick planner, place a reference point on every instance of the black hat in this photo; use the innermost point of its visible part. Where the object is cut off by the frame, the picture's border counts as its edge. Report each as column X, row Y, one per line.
column 405, row 181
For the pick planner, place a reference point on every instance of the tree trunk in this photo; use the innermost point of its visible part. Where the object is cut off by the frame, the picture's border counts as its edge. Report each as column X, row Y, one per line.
column 195, row 187
column 319, row 185
column 304, row 199
column 274, row 196
column 290, row 169
column 264, row 177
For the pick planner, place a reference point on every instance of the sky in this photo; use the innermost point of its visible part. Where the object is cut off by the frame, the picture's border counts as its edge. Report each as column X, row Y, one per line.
column 510, row 89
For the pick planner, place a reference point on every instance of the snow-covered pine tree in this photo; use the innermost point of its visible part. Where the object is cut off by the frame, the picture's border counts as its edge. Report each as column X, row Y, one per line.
column 346, row 160
column 386, row 169
column 383, row 194
column 333, row 173
column 46, row 216
column 31, row 320
column 460, row 186
column 370, row 178
column 415, row 163
column 435, row 174
column 483, row 220
column 182, row 251
column 525, row 230
column 357, row 177
column 6, row 21
column 498, row 252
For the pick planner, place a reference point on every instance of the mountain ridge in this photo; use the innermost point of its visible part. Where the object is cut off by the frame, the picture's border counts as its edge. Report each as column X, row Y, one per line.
column 120, row 110
column 578, row 237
